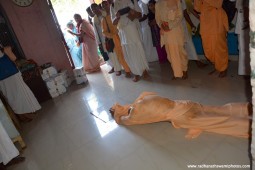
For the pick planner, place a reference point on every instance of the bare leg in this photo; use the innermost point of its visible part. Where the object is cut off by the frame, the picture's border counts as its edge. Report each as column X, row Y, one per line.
column 111, row 71
column 128, row 75
column 136, row 78
column 193, row 133
column 185, row 75
column 2, row 167
column 212, row 72
column 223, row 74
column 145, row 74
column 118, row 73
column 200, row 64
column 26, row 117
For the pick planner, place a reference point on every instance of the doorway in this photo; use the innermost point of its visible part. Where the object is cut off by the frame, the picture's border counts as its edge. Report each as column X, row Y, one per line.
column 63, row 13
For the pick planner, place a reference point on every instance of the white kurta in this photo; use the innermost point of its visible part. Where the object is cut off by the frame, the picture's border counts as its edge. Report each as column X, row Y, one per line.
column 243, row 41
column 150, row 50
column 100, row 39
column 129, row 33
column 7, row 149
column 189, row 45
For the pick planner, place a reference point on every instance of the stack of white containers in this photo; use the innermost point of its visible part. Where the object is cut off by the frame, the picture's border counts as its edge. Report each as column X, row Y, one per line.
column 80, row 75
column 56, row 82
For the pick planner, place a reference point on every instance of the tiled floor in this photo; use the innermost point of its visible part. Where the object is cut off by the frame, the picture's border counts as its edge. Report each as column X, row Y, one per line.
column 65, row 136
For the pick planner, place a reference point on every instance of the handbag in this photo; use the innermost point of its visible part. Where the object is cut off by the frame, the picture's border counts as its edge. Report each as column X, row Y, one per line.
column 109, row 44
column 124, row 11
column 7, row 67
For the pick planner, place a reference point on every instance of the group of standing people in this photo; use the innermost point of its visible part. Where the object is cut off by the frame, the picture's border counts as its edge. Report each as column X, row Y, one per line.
column 155, row 31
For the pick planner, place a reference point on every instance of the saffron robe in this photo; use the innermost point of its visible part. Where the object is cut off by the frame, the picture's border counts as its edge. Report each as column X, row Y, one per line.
column 106, row 24
column 229, row 119
column 213, row 30
column 174, row 38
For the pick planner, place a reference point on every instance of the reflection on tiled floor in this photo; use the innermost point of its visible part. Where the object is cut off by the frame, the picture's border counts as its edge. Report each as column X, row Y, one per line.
column 76, row 132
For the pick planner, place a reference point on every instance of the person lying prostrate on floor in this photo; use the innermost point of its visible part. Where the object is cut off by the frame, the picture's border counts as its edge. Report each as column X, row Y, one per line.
column 229, row 119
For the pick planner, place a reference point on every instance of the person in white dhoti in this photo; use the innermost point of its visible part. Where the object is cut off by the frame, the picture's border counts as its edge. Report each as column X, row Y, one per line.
column 125, row 14
column 150, row 50
column 189, row 45
column 242, row 29
column 112, row 55
column 17, row 93
column 8, row 152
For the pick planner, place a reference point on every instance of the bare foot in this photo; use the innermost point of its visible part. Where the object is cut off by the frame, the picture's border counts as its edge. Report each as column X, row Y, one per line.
column 193, row 133
column 2, row 167
column 128, row 75
column 200, row 64
column 145, row 74
column 16, row 160
column 118, row 73
column 185, row 75
column 111, row 71
column 223, row 74
column 24, row 117
column 212, row 72
column 136, row 78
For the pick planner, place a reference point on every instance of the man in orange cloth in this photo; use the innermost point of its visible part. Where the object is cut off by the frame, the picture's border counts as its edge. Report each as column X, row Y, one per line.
column 110, row 31
column 213, row 30
column 229, row 119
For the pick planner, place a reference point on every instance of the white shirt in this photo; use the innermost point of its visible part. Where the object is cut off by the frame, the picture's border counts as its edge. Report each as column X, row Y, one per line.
column 145, row 11
column 100, row 39
column 120, row 4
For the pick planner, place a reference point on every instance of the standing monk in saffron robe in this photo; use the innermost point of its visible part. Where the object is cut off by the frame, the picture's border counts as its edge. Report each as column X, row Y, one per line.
column 213, row 30
column 169, row 17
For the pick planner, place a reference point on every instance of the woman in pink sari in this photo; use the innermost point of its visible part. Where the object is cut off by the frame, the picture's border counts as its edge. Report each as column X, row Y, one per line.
column 90, row 58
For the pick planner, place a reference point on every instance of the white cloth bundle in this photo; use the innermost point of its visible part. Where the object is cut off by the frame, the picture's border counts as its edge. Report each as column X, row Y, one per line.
column 81, row 79
column 61, row 89
column 51, row 71
column 78, row 71
column 54, row 93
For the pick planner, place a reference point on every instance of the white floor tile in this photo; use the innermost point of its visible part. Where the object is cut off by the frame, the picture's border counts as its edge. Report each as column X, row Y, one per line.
column 65, row 136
